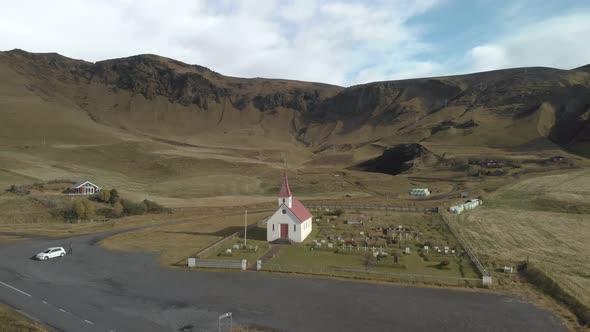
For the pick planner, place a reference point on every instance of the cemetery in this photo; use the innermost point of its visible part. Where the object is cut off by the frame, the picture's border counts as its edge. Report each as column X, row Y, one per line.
column 254, row 247
column 381, row 241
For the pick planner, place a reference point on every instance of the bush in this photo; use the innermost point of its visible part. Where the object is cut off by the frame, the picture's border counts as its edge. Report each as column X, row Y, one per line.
column 153, row 207
column 336, row 212
column 104, row 196
column 133, row 208
column 78, row 209
column 19, row 190
column 89, row 209
column 444, row 262
column 81, row 209
column 114, row 196
column 118, row 209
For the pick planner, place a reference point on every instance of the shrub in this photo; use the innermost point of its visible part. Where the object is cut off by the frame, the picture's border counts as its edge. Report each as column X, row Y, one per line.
column 118, row 209
column 78, row 209
column 114, row 196
column 104, row 196
column 89, row 209
column 133, row 208
column 70, row 214
column 153, row 207
column 19, row 190
column 444, row 263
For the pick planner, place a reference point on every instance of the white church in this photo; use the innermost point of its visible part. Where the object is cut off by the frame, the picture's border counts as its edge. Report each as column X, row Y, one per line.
column 292, row 221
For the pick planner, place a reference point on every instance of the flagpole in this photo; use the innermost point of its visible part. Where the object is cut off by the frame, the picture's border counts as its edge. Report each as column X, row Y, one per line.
column 245, row 225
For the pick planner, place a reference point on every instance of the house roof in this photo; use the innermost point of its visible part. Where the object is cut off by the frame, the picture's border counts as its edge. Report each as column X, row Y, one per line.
column 81, row 183
column 300, row 211
column 285, row 189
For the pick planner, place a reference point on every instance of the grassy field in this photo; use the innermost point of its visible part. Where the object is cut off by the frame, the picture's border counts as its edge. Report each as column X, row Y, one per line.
column 176, row 242
column 545, row 219
column 11, row 321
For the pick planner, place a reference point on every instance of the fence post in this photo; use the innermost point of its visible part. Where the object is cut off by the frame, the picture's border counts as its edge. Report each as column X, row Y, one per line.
column 258, row 265
column 486, row 280
column 192, row 262
column 244, row 264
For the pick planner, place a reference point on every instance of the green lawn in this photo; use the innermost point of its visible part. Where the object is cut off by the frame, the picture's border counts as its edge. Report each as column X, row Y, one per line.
column 353, row 259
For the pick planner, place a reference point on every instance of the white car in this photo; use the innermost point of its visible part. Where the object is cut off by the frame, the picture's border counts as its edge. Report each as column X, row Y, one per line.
column 51, row 253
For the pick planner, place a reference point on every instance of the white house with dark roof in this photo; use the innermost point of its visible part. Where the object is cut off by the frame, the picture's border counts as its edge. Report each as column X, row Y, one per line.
column 292, row 221
column 84, row 188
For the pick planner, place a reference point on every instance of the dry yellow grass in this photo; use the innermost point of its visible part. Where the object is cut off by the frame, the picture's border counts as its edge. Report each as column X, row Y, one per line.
column 513, row 227
column 173, row 243
column 11, row 321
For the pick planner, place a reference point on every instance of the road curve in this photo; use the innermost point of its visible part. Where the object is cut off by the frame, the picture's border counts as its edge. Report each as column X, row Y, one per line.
column 100, row 290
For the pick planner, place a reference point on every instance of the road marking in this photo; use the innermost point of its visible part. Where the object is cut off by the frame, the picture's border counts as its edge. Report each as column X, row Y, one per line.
column 60, row 309
column 44, row 302
column 89, row 322
column 16, row 289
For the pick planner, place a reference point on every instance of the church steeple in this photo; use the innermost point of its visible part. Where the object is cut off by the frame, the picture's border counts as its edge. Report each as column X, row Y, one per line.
column 285, row 195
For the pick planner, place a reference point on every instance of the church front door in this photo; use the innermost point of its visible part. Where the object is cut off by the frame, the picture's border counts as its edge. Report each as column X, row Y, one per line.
column 284, row 231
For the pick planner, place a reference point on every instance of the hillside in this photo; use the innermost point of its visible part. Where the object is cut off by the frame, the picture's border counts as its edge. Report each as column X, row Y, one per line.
column 516, row 108
column 159, row 128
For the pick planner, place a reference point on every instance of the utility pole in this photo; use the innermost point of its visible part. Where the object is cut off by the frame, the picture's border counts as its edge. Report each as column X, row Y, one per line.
column 245, row 226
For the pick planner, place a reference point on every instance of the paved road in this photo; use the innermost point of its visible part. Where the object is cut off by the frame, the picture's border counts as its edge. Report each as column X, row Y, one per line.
column 99, row 290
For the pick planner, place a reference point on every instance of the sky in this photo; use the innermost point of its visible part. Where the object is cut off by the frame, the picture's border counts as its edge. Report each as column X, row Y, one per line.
column 339, row 42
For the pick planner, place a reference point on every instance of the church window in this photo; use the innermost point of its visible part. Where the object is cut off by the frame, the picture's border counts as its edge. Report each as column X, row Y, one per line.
column 294, row 228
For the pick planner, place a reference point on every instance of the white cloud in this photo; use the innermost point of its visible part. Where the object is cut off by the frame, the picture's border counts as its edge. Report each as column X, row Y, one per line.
column 342, row 41
column 306, row 40
column 560, row 42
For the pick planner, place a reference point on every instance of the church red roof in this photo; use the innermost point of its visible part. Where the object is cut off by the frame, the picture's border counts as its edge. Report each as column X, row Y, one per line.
column 285, row 190
column 300, row 211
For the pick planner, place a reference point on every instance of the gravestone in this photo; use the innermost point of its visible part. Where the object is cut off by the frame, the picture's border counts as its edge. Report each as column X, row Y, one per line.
column 228, row 251
column 236, row 246
column 407, row 251
column 330, row 245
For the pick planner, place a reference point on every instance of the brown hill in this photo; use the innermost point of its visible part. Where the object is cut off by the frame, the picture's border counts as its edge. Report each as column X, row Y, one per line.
column 522, row 108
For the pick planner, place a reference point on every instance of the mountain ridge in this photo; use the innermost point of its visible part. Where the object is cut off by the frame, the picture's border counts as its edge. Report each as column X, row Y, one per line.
column 153, row 94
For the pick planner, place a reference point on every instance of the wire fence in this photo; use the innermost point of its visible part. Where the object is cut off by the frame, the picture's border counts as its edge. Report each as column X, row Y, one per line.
column 470, row 253
column 377, row 207
column 239, row 264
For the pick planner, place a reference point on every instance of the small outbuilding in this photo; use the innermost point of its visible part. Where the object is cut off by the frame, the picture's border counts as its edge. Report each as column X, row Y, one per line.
column 84, row 188
column 420, row 192
column 468, row 205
